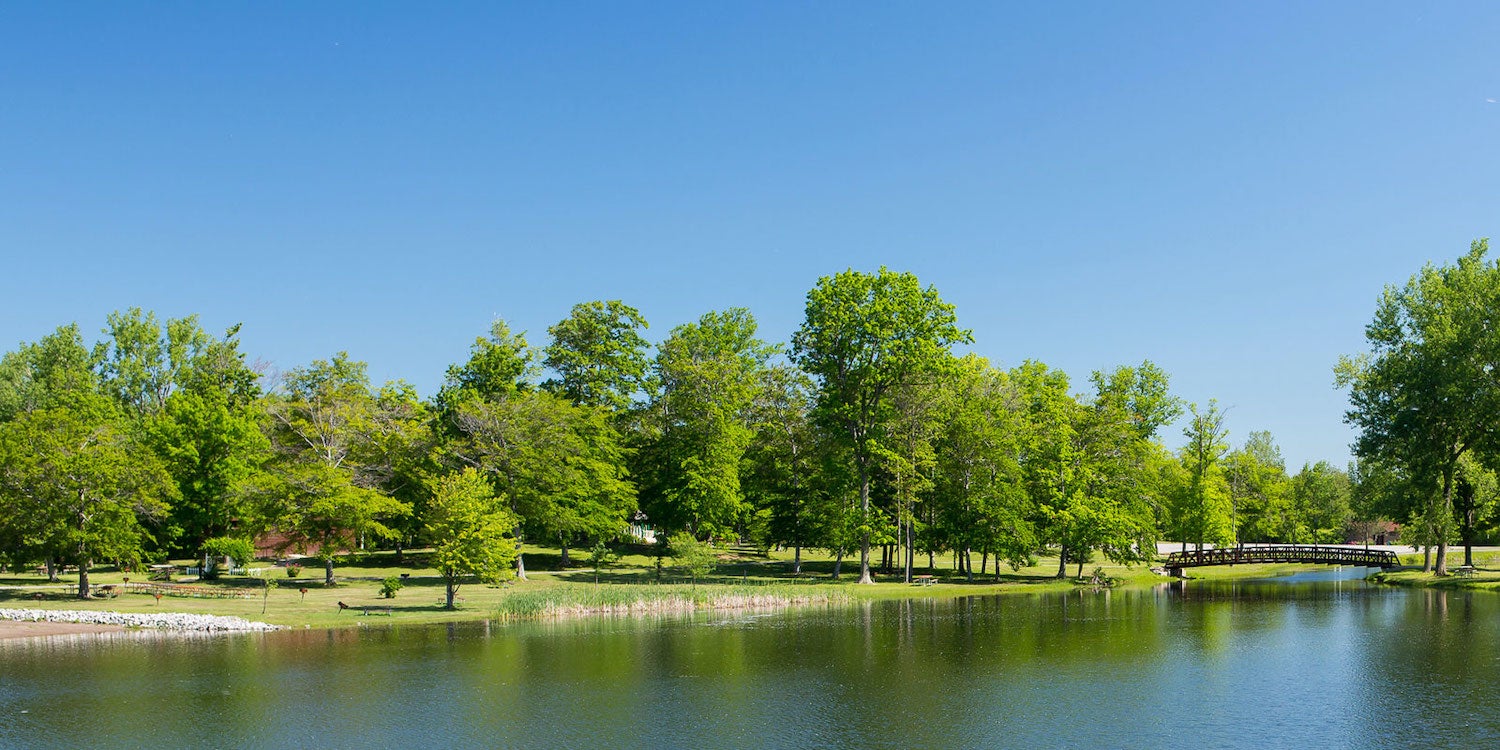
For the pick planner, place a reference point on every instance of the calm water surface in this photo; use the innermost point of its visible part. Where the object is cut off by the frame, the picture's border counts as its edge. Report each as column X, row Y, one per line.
column 1308, row 661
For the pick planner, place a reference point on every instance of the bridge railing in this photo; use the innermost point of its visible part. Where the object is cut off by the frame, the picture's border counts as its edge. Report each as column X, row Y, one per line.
column 1284, row 553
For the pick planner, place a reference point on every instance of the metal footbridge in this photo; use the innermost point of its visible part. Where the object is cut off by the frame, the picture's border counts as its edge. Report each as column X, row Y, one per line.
column 1309, row 554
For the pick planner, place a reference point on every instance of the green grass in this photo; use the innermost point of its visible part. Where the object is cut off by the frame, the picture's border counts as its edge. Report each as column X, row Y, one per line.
column 743, row 578
column 562, row 601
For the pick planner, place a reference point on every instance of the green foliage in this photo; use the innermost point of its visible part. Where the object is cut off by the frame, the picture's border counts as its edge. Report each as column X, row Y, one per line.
column 709, row 374
column 1204, row 508
column 1321, row 493
column 864, row 337
column 238, row 549
column 389, row 586
column 1425, row 394
column 782, row 474
column 471, row 531
column 498, row 366
column 600, row 557
column 696, row 559
column 322, row 486
column 561, row 467
column 76, row 484
column 599, row 355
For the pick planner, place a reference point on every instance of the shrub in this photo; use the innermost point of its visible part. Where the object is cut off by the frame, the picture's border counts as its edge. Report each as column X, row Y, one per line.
column 695, row 558
column 292, row 571
column 390, row 586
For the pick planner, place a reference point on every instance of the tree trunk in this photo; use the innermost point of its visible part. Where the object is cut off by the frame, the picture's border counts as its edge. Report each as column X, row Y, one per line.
column 864, row 509
column 400, row 551
column 838, row 562
column 565, row 560
column 1426, row 558
column 83, row 578
column 1062, row 562
column 520, row 558
column 451, row 589
column 1080, row 567
column 328, row 571
column 909, row 551
column 1466, row 494
column 51, row 563
column 1442, row 550
column 984, row 561
column 931, row 563
column 968, row 565
column 797, row 560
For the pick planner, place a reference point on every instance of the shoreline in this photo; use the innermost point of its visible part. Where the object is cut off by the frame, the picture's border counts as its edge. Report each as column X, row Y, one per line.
column 552, row 596
column 12, row 629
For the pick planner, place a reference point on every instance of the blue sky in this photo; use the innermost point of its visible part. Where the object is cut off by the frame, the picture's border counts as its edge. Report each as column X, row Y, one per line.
column 1221, row 188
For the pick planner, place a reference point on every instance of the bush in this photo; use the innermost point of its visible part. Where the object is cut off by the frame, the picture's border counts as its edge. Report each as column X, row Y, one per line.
column 292, row 571
column 695, row 558
column 390, row 586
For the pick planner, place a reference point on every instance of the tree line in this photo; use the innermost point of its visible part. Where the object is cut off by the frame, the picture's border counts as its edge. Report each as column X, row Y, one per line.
column 1425, row 399
column 866, row 435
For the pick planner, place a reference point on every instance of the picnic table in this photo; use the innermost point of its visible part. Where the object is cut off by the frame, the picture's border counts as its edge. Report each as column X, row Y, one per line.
column 924, row 580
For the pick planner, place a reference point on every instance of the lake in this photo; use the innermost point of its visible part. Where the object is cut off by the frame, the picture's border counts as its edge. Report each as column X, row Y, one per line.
column 1317, row 660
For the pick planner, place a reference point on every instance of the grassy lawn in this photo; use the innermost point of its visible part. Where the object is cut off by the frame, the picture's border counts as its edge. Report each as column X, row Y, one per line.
column 742, row 578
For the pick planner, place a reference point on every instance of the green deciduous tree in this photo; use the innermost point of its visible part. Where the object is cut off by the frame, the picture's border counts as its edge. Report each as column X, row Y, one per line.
column 695, row 558
column 561, row 466
column 599, row 355
column 1320, row 493
column 77, row 486
column 1204, row 513
column 1426, row 392
column 322, row 487
column 783, row 475
column 865, row 336
column 979, row 489
column 471, row 531
column 709, row 373
column 1260, row 492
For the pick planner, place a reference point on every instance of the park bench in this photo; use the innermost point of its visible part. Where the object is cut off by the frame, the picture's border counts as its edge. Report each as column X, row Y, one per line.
column 924, row 580
column 1465, row 571
column 366, row 609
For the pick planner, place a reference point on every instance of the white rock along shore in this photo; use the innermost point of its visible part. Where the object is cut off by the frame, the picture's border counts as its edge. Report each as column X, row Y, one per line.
column 180, row 621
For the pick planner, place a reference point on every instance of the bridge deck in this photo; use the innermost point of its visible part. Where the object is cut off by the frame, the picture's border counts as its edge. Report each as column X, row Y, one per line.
column 1283, row 553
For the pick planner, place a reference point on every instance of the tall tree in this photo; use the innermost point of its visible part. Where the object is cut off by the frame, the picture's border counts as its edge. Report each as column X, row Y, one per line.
column 1205, row 515
column 864, row 336
column 599, row 355
column 77, row 484
column 709, row 373
column 783, row 475
column 979, row 488
column 322, row 487
column 560, row 467
column 1320, row 493
column 1424, row 395
column 1260, row 492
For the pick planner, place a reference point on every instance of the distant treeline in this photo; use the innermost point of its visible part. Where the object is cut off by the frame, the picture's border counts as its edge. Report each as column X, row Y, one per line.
column 864, row 435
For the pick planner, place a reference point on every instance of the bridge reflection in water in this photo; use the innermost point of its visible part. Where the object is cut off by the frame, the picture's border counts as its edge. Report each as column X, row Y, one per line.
column 1312, row 554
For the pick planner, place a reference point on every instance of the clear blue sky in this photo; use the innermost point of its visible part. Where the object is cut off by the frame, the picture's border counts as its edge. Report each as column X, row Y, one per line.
column 1221, row 188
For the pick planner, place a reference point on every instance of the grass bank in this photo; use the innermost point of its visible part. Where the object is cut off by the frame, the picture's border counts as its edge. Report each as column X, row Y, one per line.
column 743, row 579
column 1484, row 576
column 633, row 599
